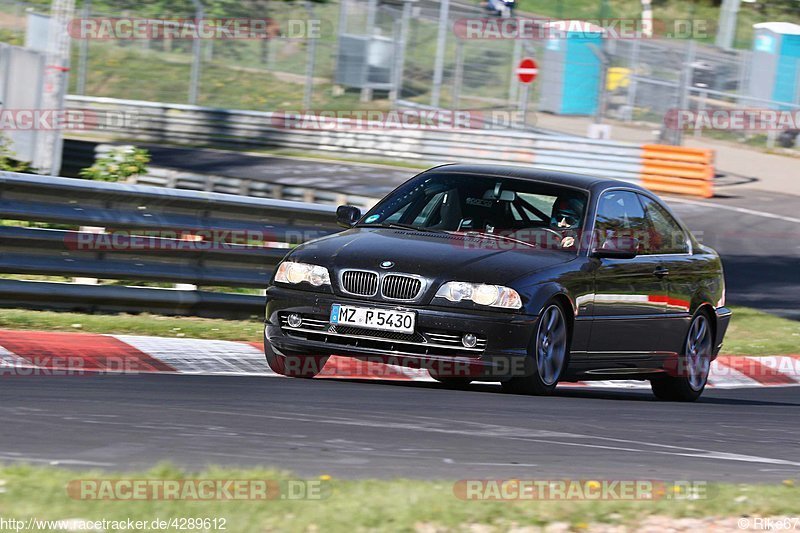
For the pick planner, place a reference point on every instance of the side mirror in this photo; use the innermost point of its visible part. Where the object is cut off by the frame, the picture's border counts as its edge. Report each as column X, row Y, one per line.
column 347, row 215
column 618, row 248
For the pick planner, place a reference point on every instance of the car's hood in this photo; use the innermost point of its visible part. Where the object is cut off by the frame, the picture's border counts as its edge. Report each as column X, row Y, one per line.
column 439, row 256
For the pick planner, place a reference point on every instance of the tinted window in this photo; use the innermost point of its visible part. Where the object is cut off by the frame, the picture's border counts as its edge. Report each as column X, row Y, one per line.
column 516, row 208
column 431, row 210
column 620, row 216
column 666, row 236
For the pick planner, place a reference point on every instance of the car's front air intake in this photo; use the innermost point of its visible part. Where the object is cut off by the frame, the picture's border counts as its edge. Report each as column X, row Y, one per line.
column 360, row 282
column 399, row 287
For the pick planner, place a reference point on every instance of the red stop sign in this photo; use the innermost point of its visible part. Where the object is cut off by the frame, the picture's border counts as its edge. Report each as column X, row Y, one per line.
column 527, row 70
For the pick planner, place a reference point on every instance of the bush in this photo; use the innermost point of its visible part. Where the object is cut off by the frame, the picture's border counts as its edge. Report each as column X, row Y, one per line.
column 8, row 161
column 118, row 163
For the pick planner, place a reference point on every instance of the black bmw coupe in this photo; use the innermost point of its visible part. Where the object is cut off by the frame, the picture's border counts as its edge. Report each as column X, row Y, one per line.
column 498, row 273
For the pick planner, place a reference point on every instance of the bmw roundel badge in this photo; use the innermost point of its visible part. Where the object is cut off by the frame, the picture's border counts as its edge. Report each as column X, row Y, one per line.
column 387, row 264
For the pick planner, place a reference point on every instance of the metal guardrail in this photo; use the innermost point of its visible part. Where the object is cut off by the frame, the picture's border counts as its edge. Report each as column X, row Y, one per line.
column 152, row 234
column 185, row 124
column 194, row 125
column 181, row 179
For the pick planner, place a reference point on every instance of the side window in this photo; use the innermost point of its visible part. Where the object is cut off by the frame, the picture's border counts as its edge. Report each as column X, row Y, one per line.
column 619, row 217
column 667, row 237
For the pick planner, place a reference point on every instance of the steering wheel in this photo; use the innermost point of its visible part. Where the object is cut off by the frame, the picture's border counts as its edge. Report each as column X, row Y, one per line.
column 551, row 230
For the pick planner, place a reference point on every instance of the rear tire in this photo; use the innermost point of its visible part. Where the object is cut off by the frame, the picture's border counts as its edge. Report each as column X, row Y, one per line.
column 548, row 358
column 693, row 364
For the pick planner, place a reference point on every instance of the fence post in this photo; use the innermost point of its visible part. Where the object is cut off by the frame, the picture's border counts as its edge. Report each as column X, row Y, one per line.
column 459, row 73
column 441, row 45
column 633, row 70
column 196, row 55
column 311, row 42
column 83, row 52
column 513, row 86
column 687, row 73
column 675, row 136
column 701, row 107
column 603, row 89
column 400, row 54
column 366, row 91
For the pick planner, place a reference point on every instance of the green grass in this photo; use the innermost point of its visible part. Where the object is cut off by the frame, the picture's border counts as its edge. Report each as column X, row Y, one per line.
column 751, row 332
column 150, row 75
column 391, row 505
column 143, row 324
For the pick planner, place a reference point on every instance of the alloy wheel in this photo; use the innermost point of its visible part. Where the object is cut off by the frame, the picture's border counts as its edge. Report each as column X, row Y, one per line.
column 551, row 344
column 698, row 352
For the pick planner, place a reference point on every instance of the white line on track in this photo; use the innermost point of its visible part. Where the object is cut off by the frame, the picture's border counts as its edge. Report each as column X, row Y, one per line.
column 742, row 210
column 513, row 433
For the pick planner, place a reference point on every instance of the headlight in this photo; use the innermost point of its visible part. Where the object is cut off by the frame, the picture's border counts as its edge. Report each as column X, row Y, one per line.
column 481, row 294
column 294, row 273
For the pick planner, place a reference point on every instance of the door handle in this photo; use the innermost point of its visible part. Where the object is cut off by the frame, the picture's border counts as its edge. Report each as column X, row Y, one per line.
column 660, row 272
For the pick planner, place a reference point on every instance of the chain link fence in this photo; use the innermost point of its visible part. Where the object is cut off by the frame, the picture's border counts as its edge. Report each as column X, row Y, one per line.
column 382, row 54
column 650, row 80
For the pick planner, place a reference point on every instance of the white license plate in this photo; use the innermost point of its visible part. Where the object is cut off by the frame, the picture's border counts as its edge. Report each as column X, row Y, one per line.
column 372, row 318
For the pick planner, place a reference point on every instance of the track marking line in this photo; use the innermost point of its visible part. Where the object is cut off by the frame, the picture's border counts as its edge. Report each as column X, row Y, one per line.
column 737, row 209
column 512, row 433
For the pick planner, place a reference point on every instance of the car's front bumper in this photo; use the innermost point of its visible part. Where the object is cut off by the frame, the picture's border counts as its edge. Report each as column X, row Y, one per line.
column 505, row 336
column 723, row 319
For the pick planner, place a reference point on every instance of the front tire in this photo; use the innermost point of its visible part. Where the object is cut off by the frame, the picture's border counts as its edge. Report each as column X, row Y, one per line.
column 453, row 383
column 548, row 360
column 693, row 365
column 295, row 366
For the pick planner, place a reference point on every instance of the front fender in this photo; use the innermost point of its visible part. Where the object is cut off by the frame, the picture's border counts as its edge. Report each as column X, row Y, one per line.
column 536, row 296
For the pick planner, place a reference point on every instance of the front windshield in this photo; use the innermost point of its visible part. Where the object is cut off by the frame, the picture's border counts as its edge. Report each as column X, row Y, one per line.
column 510, row 208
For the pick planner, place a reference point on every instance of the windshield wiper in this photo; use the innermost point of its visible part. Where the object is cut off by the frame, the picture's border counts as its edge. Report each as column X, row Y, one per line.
column 474, row 233
column 397, row 225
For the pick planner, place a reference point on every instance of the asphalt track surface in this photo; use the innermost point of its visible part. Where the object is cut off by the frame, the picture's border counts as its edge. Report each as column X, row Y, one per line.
column 417, row 430
column 423, row 430
column 756, row 232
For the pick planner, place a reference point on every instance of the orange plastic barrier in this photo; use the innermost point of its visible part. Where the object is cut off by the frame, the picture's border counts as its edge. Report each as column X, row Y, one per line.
column 678, row 153
column 678, row 170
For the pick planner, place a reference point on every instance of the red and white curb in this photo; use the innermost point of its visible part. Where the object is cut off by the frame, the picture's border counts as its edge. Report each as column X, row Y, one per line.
column 22, row 352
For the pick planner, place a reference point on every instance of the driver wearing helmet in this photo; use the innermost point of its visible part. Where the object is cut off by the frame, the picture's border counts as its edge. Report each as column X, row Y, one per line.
column 567, row 213
column 566, row 219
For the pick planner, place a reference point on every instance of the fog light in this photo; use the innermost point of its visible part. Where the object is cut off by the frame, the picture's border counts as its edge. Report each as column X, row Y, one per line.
column 294, row 320
column 469, row 340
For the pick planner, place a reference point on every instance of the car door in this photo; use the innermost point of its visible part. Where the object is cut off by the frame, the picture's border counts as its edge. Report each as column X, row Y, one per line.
column 681, row 270
column 628, row 307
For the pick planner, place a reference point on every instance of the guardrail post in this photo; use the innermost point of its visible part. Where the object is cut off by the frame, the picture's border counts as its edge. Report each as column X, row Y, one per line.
column 82, row 280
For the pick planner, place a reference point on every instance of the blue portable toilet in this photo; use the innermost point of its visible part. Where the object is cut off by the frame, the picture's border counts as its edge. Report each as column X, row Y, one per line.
column 775, row 68
column 570, row 71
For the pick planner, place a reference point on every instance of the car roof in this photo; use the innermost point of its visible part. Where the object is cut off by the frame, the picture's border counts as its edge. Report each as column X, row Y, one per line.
column 581, row 181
